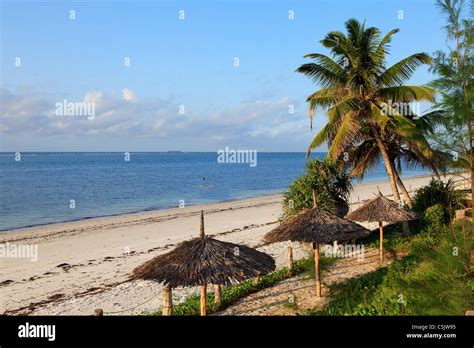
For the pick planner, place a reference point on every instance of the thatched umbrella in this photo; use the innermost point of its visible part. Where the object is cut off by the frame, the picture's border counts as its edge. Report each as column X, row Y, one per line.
column 314, row 226
column 204, row 260
column 381, row 209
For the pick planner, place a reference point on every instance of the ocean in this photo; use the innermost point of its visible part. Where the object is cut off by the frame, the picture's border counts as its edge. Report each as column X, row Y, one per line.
column 43, row 188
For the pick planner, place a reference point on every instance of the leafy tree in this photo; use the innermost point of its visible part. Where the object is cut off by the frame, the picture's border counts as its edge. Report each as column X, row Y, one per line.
column 454, row 82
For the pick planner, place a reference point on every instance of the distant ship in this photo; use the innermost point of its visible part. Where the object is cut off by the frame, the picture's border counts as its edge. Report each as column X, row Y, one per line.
column 175, row 151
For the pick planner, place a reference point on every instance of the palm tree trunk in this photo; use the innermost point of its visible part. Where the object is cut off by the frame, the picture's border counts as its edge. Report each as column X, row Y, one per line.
column 392, row 174
column 389, row 167
column 401, row 185
column 407, row 198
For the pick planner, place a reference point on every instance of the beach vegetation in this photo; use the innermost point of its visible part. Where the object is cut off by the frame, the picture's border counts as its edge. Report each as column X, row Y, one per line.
column 331, row 186
column 444, row 195
column 362, row 96
column 433, row 279
column 454, row 84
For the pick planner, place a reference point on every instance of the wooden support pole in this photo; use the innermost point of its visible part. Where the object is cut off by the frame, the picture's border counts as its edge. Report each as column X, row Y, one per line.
column 290, row 260
column 381, row 240
column 201, row 227
column 167, row 302
column 217, row 295
column 203, row 299
column 316, row 269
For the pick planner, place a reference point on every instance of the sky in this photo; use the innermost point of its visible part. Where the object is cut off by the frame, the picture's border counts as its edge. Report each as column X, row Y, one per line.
column 222, row 76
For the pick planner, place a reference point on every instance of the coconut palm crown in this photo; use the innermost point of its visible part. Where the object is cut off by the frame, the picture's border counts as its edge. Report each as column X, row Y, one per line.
column 360, row 94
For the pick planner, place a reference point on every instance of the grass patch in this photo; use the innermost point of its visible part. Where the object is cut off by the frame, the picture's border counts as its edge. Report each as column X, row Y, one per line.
column 231, row 294
column 432, row 280
column 393, row 240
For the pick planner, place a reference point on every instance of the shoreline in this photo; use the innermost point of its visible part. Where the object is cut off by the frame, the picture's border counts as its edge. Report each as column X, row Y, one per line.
column 86, row 264
column 152, row 210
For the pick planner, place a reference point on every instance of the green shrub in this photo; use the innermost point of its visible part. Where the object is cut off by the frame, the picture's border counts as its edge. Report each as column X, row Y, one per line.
column 439, row 193
column 434, row 215
column 331, row 185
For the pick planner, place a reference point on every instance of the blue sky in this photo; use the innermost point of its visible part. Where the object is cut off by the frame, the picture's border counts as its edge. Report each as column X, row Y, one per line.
column 177, row 63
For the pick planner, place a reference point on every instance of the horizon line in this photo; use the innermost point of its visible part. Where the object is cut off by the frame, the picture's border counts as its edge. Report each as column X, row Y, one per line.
column 168, row 151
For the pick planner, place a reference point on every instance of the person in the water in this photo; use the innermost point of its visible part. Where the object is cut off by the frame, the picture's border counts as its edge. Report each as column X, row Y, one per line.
column 204, row 185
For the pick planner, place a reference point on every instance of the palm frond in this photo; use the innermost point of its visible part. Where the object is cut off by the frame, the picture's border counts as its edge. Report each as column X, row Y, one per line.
column 321, row 74
column 382, row 48
column 339, row 110
column 403, row 70
column 346, row 133
column 319, row 139
column 403, row 94
column 378, row 116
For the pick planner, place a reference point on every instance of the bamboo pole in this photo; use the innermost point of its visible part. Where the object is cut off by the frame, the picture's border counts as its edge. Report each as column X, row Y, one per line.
column 290, row 260
column 316, row 269
column 217, row 296
column 201, row 229
column 381, row 240
column 167, row 302
column 256, row 280
column 203, row 300
column 316, row 256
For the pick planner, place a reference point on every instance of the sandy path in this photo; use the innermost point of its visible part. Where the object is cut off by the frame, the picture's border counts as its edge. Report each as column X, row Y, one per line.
column 97, row 255
column 301, row 290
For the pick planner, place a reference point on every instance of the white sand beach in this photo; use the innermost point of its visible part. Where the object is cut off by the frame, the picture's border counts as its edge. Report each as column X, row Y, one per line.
column 84, row 265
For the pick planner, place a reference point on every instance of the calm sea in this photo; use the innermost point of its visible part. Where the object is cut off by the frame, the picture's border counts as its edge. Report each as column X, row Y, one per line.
column 45, row 188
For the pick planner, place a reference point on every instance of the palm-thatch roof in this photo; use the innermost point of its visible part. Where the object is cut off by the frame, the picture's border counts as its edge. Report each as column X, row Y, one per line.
column 205, row 260
column 382, row 209
column 315, row 226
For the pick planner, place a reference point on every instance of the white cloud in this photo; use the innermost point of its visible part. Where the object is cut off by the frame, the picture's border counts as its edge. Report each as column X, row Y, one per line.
column 245, row 124
column 93, row 97
column 128, row 95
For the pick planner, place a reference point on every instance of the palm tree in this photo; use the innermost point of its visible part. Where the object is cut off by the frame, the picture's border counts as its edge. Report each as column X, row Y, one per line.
column 412, row 152
column 358, row 91
column 366, row 155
